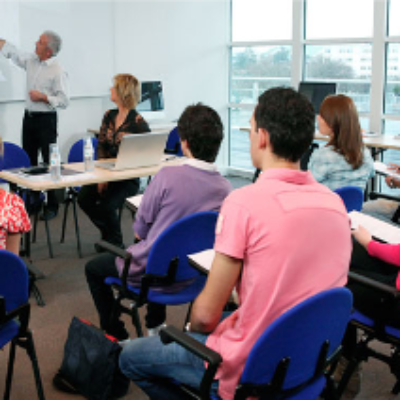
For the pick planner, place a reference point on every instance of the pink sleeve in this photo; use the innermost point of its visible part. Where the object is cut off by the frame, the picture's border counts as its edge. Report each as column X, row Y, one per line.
column 389, row 253
column 231, row 231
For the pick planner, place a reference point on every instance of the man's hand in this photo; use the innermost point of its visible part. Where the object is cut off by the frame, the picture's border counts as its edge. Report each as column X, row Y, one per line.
column 2, row 42
column 37, row 96
column 102, row 187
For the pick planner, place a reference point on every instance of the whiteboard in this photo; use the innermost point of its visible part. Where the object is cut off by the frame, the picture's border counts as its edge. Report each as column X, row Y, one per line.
column 87, row 31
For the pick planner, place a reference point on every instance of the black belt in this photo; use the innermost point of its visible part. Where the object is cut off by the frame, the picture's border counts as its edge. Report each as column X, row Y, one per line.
column 39, row 113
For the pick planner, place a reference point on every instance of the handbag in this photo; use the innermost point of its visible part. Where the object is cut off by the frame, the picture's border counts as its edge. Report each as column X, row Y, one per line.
column 90, row 364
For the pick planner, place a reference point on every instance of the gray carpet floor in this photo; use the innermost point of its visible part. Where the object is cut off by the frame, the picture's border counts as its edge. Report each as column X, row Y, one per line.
column 66, row 294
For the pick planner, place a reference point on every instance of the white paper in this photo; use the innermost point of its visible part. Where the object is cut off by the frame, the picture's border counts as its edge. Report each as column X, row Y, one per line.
column 203, row 258
column 379, row 229
column 383, row 169
column 135, row 200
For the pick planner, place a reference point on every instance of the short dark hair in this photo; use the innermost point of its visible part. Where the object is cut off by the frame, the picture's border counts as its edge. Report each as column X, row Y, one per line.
column 289, row 119
column 202, row 128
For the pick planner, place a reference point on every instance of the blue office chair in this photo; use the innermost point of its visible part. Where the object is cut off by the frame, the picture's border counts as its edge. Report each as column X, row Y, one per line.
column 75, row 155
column 374, row 330
column 290, row 358
column 352, row 196
column 14, row 315
column 173, row 145
column 167, row 266
column 16, row 157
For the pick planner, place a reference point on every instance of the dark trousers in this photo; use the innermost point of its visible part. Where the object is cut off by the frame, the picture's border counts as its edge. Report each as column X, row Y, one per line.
column 368, row 301
column 103, row 208
column 39, row 130
column 96, row 271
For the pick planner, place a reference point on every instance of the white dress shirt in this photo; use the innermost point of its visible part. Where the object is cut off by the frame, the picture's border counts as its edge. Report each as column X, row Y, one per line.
column 47, row 77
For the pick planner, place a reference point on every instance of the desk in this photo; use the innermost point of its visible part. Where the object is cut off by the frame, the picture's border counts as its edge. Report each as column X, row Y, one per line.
column 98, row 175
column 202, row 261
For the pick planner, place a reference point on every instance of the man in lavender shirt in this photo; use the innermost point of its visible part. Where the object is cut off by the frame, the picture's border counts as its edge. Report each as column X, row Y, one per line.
column 176, row 191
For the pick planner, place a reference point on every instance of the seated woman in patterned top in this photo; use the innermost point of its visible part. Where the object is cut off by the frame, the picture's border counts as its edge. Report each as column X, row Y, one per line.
column 101, row 202
column 344, row 160
column 14, row 219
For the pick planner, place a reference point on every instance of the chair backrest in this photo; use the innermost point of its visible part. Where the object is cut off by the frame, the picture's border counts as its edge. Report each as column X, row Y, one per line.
column 352, row 196
column 191, row 234
column 76, row 151
column 173, row 145
column 299, row 333
column 13, row 157
column 14, row 282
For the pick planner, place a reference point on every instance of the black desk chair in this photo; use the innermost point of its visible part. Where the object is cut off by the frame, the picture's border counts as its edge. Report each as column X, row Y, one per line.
column 374, row 329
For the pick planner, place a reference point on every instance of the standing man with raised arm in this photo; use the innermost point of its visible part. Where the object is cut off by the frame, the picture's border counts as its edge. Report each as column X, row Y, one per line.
column 46, row 90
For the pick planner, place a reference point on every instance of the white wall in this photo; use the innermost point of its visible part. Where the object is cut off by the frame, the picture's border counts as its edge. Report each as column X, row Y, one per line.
column 181, row 43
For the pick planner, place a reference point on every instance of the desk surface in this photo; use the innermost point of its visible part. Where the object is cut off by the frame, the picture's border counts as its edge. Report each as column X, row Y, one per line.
column 380, row 142
column 202, row 260
column 98, row 175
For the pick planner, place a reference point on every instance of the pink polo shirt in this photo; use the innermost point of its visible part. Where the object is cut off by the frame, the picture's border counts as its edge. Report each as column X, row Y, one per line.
column 293, row 235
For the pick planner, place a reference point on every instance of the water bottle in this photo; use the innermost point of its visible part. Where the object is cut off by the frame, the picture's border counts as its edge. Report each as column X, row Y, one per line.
column 88, row 155
column 55, row 164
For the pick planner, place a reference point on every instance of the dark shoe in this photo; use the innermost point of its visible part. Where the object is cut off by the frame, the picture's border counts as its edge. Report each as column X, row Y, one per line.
column 47, row 214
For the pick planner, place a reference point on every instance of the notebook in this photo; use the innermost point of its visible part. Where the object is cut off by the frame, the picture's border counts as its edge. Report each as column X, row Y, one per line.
column 138, row 150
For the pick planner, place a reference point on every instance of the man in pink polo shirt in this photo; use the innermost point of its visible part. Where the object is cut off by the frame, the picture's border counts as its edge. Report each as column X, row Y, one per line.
column 279, row 241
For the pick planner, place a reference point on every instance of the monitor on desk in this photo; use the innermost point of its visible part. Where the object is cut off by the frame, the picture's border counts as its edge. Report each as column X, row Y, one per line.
column 316, row 92
column 151, row 105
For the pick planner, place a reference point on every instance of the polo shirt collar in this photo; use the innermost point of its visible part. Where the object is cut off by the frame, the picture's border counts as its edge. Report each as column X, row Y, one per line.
column 200, row 164
column 288, row 175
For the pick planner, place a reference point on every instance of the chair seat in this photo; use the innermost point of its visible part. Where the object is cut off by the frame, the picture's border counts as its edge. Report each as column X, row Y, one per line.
column 184, row 295
column 363, row 319
column 7, row 332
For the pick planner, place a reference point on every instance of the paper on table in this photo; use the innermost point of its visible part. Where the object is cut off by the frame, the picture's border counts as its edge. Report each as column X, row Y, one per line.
column 203, row 259
column 135, row 201
column 383, row 169
column 379, row 229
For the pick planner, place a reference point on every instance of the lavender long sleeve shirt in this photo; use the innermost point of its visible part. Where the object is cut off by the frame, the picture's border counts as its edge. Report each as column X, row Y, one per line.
column 176, row 191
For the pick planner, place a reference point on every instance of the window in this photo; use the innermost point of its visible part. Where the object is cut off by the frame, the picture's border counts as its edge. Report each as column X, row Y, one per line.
column 391, row 107
column 284, row 42
column 330, row 63
column 262, row 62
column 327, row 19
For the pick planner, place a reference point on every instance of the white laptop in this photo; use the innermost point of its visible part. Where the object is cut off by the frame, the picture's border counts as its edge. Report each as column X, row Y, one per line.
column 138, row 150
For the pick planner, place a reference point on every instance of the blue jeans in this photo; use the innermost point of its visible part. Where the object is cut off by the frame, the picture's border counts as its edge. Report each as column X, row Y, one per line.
column 152, row 365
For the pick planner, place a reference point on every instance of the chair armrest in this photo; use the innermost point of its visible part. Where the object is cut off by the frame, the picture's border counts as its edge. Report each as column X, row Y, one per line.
column 122, row 253
column 374, row 284
column 114, row 249
column 21, row 312
column 375, row 195
column 172, row 334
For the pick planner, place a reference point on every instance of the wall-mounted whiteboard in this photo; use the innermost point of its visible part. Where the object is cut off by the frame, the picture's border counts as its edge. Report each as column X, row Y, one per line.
column 87, row 30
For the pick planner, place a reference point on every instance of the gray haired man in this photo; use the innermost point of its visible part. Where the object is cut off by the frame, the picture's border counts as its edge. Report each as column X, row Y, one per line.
column 46, row 91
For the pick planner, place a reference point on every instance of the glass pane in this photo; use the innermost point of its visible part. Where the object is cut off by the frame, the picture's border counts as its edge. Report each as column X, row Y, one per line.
column 255, row 69
column 239, row 145
column 257, row 20
column 392, row 128
column 394, row 10
column 327, row 19
column 347, row 65
column 392, row 92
